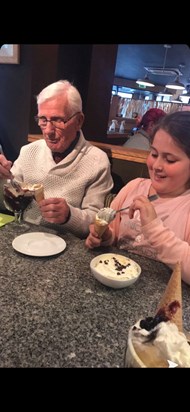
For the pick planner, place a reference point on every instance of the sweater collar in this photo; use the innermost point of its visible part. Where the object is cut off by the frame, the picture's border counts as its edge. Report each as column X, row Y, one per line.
column 60, row 156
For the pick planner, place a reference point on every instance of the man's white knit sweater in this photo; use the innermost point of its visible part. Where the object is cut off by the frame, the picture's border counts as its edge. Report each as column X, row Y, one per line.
column 82, row 178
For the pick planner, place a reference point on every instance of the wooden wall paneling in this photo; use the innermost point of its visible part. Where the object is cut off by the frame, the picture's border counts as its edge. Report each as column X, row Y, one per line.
column 44, row 63
column 99, row 91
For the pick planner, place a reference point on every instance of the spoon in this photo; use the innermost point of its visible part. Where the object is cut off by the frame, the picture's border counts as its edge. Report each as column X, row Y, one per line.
column 108, row 214
column 151, row 198
column 15, row 184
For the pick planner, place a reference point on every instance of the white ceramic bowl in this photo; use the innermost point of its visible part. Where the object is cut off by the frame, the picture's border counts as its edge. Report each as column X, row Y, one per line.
column 114, row 270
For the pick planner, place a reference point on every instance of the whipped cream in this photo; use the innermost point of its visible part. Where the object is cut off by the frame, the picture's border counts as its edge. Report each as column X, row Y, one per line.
column 117, row 267
column 171, row 343
column 30, row 187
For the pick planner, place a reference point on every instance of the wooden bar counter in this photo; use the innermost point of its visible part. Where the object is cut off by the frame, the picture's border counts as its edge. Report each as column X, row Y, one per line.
column 113, row 151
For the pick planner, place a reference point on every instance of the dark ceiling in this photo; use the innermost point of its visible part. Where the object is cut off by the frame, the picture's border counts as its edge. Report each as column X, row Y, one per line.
column 132, row 58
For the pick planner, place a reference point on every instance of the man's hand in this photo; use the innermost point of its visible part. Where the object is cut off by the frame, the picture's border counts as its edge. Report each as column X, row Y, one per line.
column 5, row 166
column 54, row 210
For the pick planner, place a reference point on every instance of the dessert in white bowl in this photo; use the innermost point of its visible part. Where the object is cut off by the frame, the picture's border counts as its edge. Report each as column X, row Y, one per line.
column 114, row 270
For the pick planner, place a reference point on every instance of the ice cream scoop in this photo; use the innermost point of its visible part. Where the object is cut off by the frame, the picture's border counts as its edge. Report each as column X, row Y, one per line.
column 102, row 219
column 37, row 189
column 108, row 214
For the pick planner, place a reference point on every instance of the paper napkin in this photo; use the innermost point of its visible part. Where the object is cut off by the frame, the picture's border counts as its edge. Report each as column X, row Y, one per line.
column 4, row 219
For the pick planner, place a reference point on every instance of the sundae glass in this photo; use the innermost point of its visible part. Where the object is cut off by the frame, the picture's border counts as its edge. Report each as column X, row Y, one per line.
column 17, row 198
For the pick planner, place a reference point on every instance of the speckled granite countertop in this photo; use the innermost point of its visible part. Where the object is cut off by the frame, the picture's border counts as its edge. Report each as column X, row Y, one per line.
column 53, row 313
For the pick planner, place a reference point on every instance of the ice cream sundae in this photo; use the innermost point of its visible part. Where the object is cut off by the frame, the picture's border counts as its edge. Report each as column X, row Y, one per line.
column 17, row 197
column 159, row 341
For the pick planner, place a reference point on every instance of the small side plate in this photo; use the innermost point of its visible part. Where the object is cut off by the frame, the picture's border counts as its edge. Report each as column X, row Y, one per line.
column 39, row 244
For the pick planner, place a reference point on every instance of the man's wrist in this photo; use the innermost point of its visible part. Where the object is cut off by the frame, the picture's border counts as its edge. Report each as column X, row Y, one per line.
column 68, row 217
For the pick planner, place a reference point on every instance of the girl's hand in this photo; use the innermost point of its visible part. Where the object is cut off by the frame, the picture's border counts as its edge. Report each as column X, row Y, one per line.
column 93, row 240
column 146, row 209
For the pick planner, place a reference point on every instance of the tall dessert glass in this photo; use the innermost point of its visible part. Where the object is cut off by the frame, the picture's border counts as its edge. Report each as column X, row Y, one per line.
column 16, row 200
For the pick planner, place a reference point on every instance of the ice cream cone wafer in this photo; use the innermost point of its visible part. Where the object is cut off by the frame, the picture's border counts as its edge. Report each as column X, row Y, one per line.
column 38, row 192
column 100, row 226
column 150, row 356
column 171, row 302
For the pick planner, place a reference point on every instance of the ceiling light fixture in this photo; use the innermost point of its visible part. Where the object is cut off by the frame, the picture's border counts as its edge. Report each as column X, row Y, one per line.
column 165, row 93
column 186, row 92
column 164, row 71
column 185, row 96
column 145, row 82
column 167, row 46
column 176, row 85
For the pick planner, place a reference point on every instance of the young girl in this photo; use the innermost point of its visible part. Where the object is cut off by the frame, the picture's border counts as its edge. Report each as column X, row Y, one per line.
column 159, row 229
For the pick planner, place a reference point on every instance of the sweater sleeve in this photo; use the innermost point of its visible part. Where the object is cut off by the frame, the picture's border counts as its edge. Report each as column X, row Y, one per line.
column 93, row 200
column 168, row 246
column 128, row 191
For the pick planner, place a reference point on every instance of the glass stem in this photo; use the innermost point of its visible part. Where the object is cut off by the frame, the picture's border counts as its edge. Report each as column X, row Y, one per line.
column 18, row 216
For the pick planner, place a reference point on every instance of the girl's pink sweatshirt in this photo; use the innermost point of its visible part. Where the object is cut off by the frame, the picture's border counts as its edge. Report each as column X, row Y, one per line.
column 166, row 238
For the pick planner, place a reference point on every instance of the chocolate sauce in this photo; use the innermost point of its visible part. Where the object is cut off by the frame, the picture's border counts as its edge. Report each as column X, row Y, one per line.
column 163, row 315
column 19, row 202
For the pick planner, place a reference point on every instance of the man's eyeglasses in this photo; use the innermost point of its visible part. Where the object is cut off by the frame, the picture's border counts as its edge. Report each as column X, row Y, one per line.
column 57, row 122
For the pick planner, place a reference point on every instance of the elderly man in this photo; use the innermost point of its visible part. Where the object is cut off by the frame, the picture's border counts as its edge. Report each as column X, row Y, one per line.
column 76, row 175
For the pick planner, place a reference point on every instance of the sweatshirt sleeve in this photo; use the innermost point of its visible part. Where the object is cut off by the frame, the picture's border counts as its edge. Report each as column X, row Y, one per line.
column 128, row 191
column 168, row 246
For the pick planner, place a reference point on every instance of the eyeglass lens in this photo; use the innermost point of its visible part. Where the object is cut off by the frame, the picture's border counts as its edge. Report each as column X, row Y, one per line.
column 55, row 121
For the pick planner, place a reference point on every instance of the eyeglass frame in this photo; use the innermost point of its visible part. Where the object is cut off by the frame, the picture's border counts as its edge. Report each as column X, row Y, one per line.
column 54, row 118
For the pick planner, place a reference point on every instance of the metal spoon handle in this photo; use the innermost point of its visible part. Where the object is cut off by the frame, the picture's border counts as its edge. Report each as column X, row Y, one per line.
column 15, row 184
column 151, row 198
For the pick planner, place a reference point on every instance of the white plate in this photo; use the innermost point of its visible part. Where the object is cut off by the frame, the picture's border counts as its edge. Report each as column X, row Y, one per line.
column 114, row 270
column 39, row 244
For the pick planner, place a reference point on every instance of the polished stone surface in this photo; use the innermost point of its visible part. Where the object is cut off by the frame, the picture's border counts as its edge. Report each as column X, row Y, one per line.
column 53, row 313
